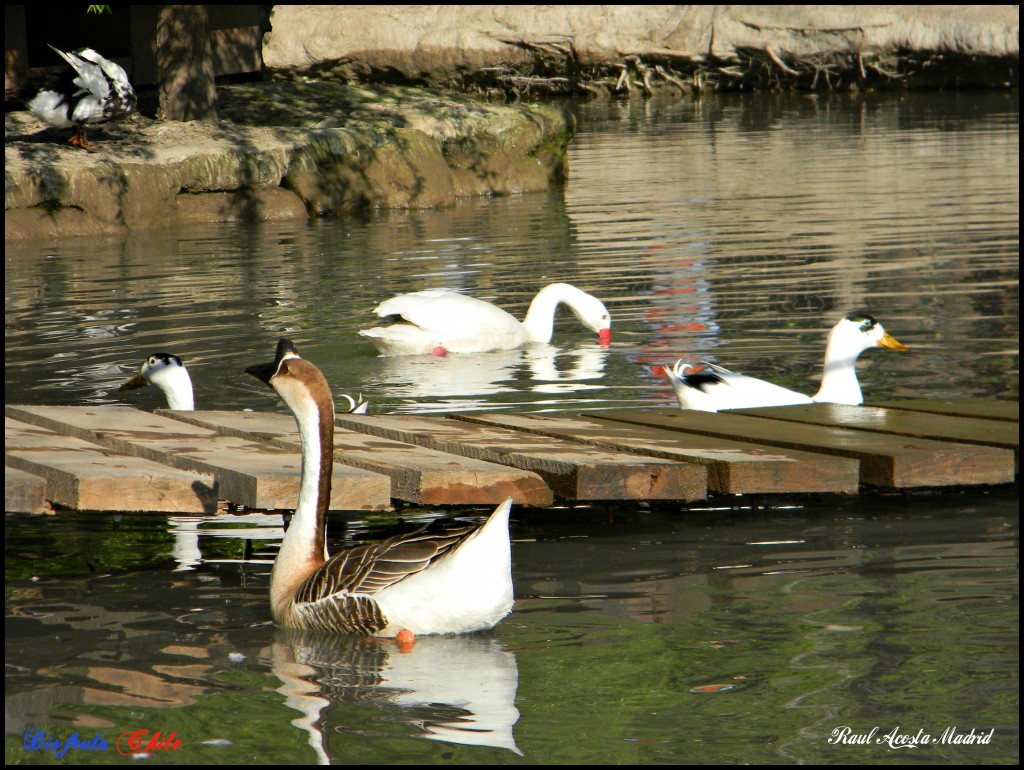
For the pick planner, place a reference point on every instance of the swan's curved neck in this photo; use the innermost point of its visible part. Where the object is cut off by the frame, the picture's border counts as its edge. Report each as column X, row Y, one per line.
column 540, row 318
column 304, row 547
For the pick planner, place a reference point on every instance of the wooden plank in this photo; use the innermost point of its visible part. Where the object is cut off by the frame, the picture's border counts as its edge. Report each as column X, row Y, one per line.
column 981, row 408
column 249, row 472
column 966, row 430
column 573, row 470
column 417, row 475
column 87, row 477
column 884, row 461
column 23, row 492
column 734, row 467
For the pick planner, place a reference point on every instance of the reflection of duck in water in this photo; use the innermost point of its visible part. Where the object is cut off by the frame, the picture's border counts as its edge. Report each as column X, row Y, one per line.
column 441, row 321
column 712, row 388
column 457, row 689
column 434, row 580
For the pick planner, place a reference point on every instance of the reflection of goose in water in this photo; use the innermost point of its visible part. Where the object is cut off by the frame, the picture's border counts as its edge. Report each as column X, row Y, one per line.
column 493, row 373
column 457, row 689
column 442, row 321
column 713, row 387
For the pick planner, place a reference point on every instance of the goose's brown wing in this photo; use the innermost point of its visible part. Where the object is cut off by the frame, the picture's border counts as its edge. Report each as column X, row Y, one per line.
column 339, row 595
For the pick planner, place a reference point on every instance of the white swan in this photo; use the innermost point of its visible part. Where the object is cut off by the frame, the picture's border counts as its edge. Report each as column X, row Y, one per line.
column 431, row 581
column 99, row 92
column 441, row 321
column 168, row 373
column 712, row 387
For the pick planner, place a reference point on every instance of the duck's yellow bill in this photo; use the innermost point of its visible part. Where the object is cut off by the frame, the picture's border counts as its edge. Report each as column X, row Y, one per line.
column 888, row 341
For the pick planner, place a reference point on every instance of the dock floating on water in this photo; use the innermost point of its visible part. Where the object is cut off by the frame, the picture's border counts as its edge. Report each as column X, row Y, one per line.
column 117, row 458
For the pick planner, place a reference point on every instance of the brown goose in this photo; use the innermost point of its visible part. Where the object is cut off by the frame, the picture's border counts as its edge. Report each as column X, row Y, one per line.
column 423, row 582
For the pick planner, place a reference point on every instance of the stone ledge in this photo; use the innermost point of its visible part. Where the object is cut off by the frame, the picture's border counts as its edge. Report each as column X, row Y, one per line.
column 531, row 50
column 282, row 150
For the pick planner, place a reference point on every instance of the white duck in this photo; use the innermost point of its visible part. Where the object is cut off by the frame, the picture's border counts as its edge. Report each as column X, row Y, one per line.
column 168, row 373
column 713, row 387
column 99, row 92
column 425, row 582
column 441, row 321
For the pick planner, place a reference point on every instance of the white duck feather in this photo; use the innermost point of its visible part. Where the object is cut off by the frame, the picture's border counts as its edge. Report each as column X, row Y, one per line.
column 710, row 388
column 441, row 321
column 168, row 373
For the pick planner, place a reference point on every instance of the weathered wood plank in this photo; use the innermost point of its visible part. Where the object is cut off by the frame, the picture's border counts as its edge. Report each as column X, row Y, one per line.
column 87, row 477
column 901, row 424
column 23, row 492
column 249, row 472
column 884, row 462
column 417, row 475
column 965, row 430
column 982, row 408
column 733, row 467
column 573, row 470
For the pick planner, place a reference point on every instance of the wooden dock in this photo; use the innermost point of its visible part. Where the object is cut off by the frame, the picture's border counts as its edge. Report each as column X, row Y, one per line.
column 116, row 458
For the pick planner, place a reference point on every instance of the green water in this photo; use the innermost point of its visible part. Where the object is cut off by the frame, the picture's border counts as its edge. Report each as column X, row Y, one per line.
column 735, row 229
column 644, row 637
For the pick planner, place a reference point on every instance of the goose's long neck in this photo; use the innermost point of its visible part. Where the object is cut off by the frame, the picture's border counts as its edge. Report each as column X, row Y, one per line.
column 540, row 318
column 304, row 547
column 839, row 383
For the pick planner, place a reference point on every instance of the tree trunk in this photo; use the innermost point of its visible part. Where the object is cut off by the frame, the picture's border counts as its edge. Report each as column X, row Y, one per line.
column 185, row 64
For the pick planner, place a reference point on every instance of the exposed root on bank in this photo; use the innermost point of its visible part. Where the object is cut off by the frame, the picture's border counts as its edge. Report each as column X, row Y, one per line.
column 554, row 68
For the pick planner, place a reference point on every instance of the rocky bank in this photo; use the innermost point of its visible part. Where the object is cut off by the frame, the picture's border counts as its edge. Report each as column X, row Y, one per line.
column 339, row 128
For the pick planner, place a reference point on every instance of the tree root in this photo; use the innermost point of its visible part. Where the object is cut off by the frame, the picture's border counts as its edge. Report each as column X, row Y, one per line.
column 554, row 68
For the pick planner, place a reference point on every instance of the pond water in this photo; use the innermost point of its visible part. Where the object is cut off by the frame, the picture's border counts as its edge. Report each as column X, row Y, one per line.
column 734, row 229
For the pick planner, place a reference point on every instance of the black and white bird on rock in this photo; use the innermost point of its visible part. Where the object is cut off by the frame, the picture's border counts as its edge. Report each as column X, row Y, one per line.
column 97, row 91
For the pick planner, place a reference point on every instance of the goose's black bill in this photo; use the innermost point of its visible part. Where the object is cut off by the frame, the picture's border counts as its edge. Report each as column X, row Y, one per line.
column 264, row 372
